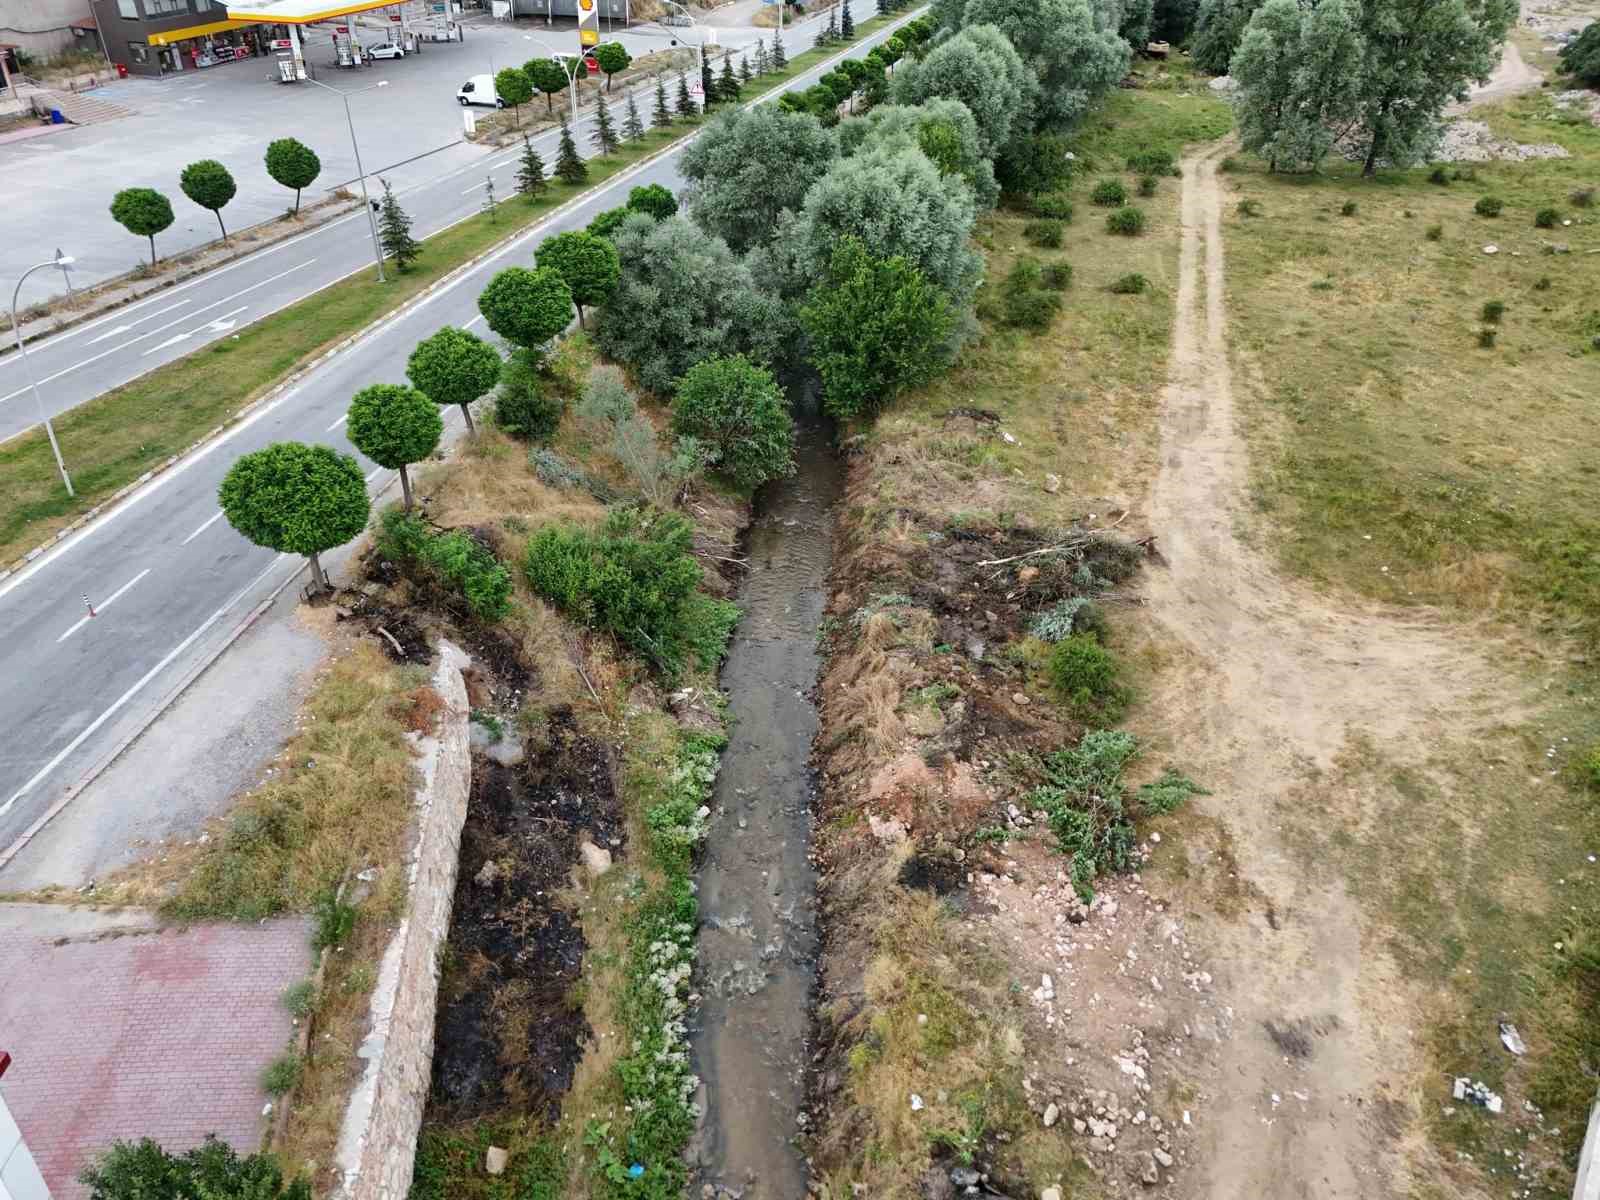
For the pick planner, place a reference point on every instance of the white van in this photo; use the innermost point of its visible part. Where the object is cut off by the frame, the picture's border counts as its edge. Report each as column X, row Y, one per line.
column 479, row 90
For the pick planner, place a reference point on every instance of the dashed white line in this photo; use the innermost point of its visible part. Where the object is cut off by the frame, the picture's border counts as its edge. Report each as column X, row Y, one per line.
column 138, row 687
column 373, row 474
column 209, row 522
column 337, row 423
column 103, row 605
column 477, row 187
column 473, row 322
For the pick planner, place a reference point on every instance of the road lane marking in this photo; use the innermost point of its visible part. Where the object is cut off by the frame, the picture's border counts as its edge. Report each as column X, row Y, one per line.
column 138, row 687
column 152, row 332
column 141, row 320
column 473, row 322
column 337, row 423
column 477, row 187
column 103, row 605
column 217, row 325
column 372, row 474
column 209, row 522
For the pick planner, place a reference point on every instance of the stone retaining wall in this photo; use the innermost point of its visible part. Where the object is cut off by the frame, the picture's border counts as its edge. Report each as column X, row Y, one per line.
column 378, row 1140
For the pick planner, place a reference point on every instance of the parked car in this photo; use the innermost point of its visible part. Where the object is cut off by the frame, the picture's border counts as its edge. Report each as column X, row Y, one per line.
column 479, row 90
column 385, row 50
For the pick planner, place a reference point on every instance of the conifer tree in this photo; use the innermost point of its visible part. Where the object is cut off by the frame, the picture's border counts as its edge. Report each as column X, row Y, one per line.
column 661, row 116
column 632, row 123
column 686, row 106
column 708, row 85
column 569, row 167
column 780, row 59
column 745, row 73
column 604, row 138
column 763, row 64
column 727, row 82
column 488, row 199
column 830, row 35
column 530, row 173
column 394, row 231
column 847, row 23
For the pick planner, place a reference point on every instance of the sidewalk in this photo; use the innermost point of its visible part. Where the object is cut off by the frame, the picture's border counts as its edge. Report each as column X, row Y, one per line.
column 120, row 1029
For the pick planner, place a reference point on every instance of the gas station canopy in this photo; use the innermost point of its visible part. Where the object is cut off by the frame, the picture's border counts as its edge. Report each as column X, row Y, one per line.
column 173, row 36
column 301, row 12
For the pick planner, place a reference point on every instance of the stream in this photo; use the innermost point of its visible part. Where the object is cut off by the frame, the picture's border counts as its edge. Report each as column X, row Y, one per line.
column 758, row 937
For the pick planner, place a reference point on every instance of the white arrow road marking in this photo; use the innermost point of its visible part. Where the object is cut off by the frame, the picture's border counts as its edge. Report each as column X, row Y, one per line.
column 220, row 325
column 210, row 521
column 103, row 605
column 130, row 324
column 135, row 689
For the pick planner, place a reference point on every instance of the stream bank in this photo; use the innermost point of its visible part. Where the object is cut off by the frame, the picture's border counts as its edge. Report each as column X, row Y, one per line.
column 758, row 933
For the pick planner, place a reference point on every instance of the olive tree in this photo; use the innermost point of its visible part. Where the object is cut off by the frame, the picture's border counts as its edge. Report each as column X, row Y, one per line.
column 528, row 307
column 943, row 129
column 896, row 203
column 1076, row 60
column 683, row 297
column 292, row 164
column 876, row 326
column 394, row 426
column 296, row 499
column 210, row 185
column 587, row 263
column 1294, row 69
column 144, row 212
column 748, row 165
column 454, row 367
column 983, row 71
column 735, row 408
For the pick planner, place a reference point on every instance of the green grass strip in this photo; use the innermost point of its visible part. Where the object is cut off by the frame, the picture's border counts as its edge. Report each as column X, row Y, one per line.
column 110, row 441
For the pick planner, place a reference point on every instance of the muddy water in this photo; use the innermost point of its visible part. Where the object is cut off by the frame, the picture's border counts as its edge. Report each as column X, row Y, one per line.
column 758, row 939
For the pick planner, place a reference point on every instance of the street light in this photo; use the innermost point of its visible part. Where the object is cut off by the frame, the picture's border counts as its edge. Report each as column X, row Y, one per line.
column 377, row 247
column 700, row 46
column 570, row 72
column 63, row 261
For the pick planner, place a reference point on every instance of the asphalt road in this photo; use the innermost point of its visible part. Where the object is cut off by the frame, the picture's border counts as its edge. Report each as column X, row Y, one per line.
column 169, row 577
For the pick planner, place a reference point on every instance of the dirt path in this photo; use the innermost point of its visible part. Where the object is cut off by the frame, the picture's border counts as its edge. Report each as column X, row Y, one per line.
column 1512, row 77
column 1275, row 682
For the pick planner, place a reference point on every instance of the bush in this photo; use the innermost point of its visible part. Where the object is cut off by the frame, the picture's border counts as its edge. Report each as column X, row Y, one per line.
column 1542, row 284
column 280, row 1075
column 736, row 409
column 1153, row 162
column 1148, row 185
column 1127, row 220
column 142, row 1170
column 1486, row 338
column 1348, row 209
column 1132, row 284
column 1488, row 206
column 1043, row 233
column 1087, row 677
column 1249, row 208
column 1056, row 276
column 1109, row 193
column 522, row 406
column 1582, row 198
column 1228, row 165
column 1493, row 310
column 1076, row 615
column 1440, row 176
column 1025, row 300
column 1434, row 232
column 635, row 579
column 1055, row 206
column 449, row 556
column 1469, row 174
column 1547, row 218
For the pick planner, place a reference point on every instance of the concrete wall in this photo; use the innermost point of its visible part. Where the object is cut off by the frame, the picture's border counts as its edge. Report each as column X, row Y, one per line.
column 19, row 1174
column 44, row 27
column 378, row 1139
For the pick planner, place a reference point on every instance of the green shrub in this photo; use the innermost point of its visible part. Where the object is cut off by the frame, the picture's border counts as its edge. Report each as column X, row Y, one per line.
column 1026, row 301
column 1148, row 185
column 1055, row 206
column 280, row 1075
column 1153, row 162
column 1348, row 209
column 522, row 406
column 1439, row 176
column 735, row 408
column 1493, row 310
column 1547, row 218
column 451, row 557
column 1056, row 276
column 1582, row 198
column 1045, row 233
column 1131, row 284
column 299, row 998
column 1075, row 615
column 142, row 1170
column 1128, row 221
column 1228, row 165
column 1087, row 677
column 1489, row 206
column 1542, row 284
column 1109, row 193
column 1434, row 232
column 1249, row 208
column 1486, row 338
column 1469, row 174
column 635, row 579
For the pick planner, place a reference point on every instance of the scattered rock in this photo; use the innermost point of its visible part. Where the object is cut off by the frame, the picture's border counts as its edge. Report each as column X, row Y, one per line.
column 1052, row 1114
column 1148, row 1172
column 596, row 858
column 964, row 1177
column 917, row 1104
column 495, row 1160
column 1471, row 141
column 936, row 1185
column 1050, row 1193
column 1491, row 249
column 1052, row 483
column 1162, row 1157
column 489, row 872
column 889, row 830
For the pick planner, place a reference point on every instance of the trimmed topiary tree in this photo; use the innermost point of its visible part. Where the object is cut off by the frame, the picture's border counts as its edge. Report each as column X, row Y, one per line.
column 736, row 408
column 394, row 426
column 210, row 185
column 296, row 499
column 612, row 57
column 513, row 87
column 522, row 406
column 526, row 307
column 587, row 263
column 293, row 164
column 454, row 367
column 654, row 199
column 142, row 211
column 545, row 75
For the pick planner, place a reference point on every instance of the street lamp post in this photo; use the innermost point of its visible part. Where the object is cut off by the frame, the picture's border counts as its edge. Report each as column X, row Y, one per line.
column 571, row 71
column 63, row 261
column 377, row 247
column 700, row 46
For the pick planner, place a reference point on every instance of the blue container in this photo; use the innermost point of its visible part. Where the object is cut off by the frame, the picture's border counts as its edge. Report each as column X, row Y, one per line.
column 56, row 118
